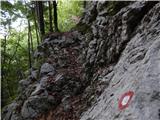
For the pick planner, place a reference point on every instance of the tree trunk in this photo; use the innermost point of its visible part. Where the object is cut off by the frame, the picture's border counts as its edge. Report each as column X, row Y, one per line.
column 4, row 54
column 50, row 17
column 36, row 29
column 55, row 16
column 29, row 48
column 34, row 13
column 39, row 8
column 30, row 35
column 84, row 4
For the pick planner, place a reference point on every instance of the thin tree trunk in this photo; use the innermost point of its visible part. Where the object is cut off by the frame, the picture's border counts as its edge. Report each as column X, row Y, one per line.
column 3, row 73
column 36, row 29
column 29, row 48
column 84, row 4
column 4, row 51
column 50, row 17
column 34, row 13
column 55, row 16
column 30, row 35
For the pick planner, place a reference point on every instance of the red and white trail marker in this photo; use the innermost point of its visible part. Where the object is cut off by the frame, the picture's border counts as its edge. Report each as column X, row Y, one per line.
column 125, row 100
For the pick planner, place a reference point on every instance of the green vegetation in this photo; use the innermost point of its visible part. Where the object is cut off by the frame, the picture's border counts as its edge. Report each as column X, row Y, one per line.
column 18, row 42
column 69, row 12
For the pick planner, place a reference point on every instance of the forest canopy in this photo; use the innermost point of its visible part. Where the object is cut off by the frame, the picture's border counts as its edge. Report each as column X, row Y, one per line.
column 23, row 25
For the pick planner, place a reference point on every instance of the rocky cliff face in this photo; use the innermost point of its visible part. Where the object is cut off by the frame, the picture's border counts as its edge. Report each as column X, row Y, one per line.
column 130, row 41
column 107, row 69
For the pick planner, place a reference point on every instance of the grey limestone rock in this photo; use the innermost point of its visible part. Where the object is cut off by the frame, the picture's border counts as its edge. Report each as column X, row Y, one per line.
column 36, row 105
column 46, row 68
column 137, row 70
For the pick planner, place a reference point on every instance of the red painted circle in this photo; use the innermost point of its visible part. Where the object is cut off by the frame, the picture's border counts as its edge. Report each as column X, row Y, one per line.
column 125, row 100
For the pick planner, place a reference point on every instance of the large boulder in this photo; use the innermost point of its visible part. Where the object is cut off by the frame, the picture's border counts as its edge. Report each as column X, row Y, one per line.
column 36, row 105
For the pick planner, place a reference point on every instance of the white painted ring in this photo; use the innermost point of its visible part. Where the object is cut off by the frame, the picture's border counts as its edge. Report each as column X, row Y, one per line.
column 125, row 100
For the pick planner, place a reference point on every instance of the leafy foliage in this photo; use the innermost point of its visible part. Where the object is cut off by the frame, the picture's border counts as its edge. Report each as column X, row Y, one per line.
column 13, row 63
column 68, row 12
column 14, row 46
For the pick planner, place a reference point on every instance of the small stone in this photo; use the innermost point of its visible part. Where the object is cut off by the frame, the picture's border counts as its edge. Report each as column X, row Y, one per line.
column 66, row 104
column 34, row 74
column 23, row 84
column 46, row 68
column 51, row 73
column 93, row 43
column 27, row 110
column 44, row 81
column 60, row 80
column 38, row 90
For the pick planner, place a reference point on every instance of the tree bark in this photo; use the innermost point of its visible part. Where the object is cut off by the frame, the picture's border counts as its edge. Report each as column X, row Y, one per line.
column 4, row 54
column 36, row 29
column 30, row 35
column 50, row 17
column 29, row 48
column 34, row 13
column 84, row 4
column 39, row 8
column 55, row 16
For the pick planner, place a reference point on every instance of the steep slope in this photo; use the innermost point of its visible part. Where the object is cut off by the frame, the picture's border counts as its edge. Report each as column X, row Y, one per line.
column 107, row 68
column 55, row 78
column 136, row 74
